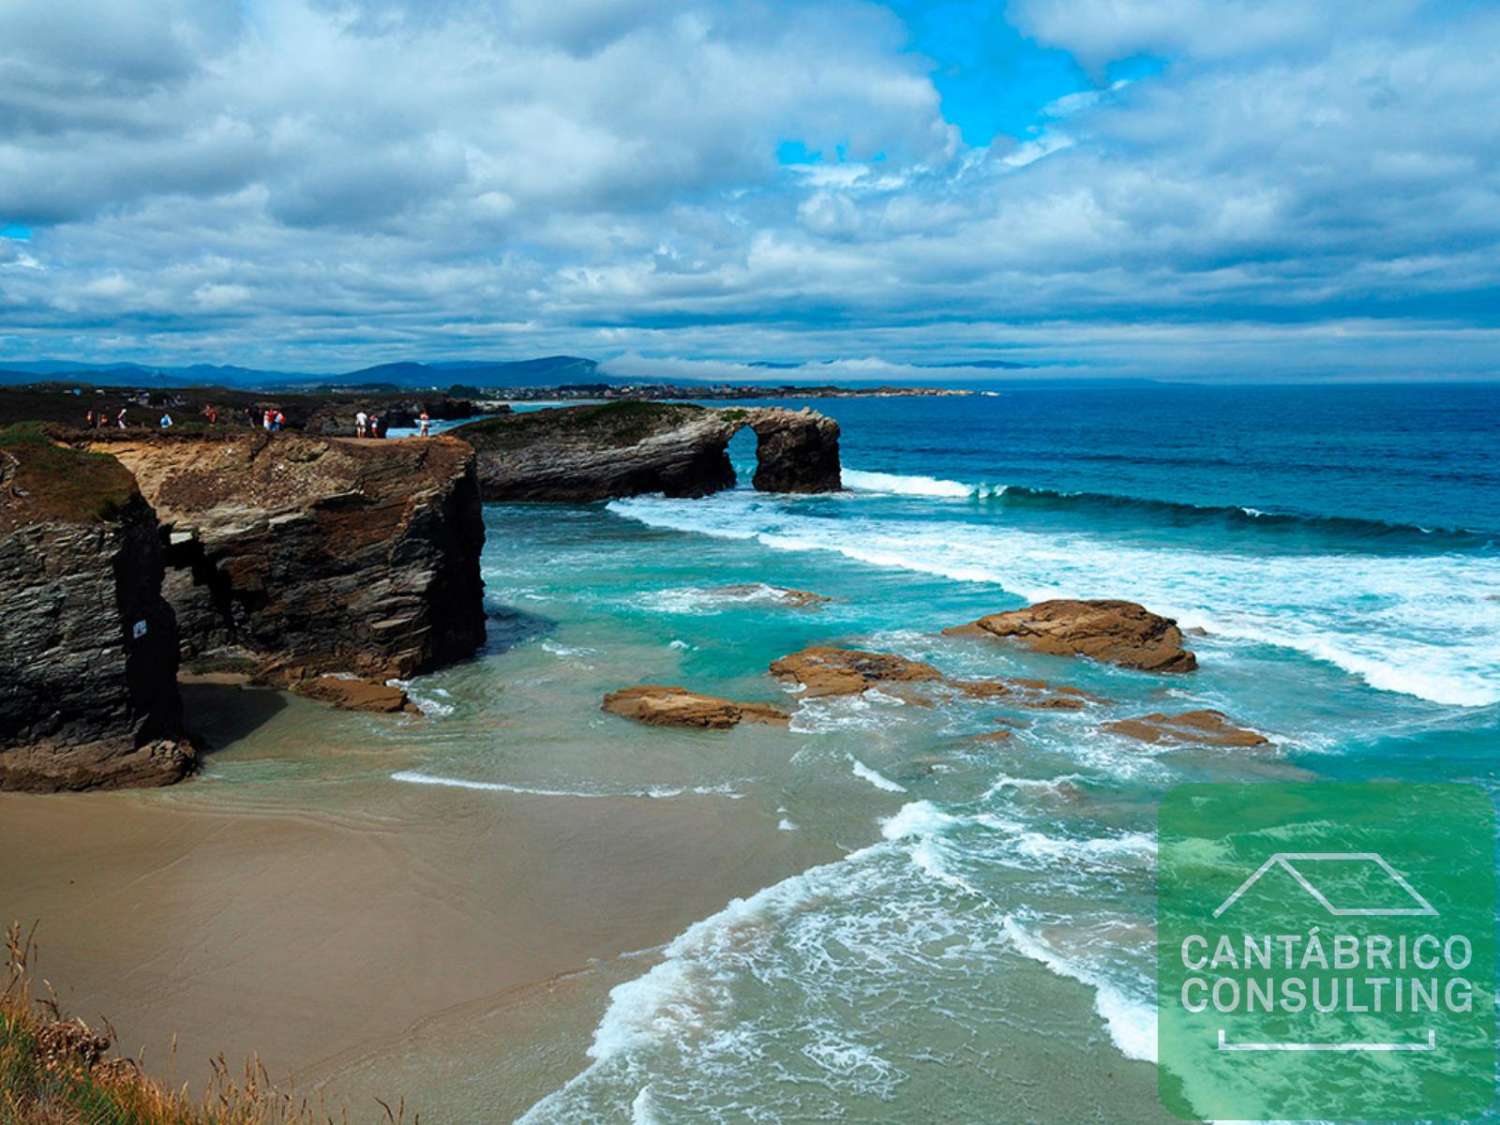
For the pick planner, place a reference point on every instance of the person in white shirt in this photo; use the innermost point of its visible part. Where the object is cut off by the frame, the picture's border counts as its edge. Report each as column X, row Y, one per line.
column 361, row 420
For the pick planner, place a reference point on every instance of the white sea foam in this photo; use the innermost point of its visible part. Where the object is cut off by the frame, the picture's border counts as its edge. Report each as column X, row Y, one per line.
column 917, row 818
column 1131, row 1022
column 1047, row 784
column 655, row 792
column 874, row 777
column 903, row 485
column 1421, row 625
column 428, row 703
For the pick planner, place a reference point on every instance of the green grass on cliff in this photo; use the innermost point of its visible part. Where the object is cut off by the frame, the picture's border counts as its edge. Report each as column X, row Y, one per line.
column 604, row 424
column 46, row 481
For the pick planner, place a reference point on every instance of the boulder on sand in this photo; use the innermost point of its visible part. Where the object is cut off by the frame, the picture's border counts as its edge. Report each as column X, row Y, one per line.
column 1117, row 632
column 1196, row 728
column 660, row 706
column 350, row 694
column 823, row 670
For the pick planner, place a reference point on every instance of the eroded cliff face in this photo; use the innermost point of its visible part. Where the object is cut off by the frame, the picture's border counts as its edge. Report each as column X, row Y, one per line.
column 601, row 452
column 292, row 556
column 89, row 693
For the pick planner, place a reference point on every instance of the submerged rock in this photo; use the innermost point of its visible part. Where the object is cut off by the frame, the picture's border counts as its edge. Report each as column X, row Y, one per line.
column 293, row 556
column 1117, row 632
column 781, row 595
column 89, row 694
column 1038, row 694
column 824, row 670
column 610, row 450
column 660, row 706
column 1198, row 728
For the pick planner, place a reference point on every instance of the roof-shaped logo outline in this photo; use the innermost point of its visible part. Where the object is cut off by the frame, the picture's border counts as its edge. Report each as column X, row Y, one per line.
column 1287, row 861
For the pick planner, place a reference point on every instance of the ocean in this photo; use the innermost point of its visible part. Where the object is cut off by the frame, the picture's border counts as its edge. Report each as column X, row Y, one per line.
column 977, row 943
column 519, row 907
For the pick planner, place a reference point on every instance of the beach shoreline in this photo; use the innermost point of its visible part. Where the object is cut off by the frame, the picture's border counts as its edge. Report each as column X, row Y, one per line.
column 326, row 935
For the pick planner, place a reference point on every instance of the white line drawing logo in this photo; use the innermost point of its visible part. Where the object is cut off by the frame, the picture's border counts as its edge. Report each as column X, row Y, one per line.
column 1287, row 860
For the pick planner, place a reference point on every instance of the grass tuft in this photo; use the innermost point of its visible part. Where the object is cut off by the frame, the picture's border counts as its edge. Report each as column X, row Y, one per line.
column 58, row 1071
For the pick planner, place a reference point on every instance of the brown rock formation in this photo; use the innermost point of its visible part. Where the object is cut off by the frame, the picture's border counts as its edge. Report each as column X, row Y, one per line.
column 599, row 452
column 1118, row 632
column 294, row 556
column 660, row 706
column 355, row 695
column 846, row 671
column 89, row 693
column 1197, row 728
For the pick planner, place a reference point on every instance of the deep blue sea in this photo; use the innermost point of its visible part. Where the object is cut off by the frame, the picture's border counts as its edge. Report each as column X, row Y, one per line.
column 968, row 934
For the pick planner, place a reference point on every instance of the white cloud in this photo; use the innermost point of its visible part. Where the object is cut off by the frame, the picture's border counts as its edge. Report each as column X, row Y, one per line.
column 323, row 184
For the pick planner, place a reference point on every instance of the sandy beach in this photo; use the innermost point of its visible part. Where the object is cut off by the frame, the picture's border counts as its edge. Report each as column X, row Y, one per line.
column 336, row 935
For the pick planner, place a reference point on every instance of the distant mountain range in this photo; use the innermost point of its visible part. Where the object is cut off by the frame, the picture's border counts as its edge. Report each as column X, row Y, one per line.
column 544, row 372
column 548, row 371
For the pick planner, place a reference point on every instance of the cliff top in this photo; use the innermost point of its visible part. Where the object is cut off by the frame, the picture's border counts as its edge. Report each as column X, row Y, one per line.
column 41, row 481
column 188, row 473
column 602, row 425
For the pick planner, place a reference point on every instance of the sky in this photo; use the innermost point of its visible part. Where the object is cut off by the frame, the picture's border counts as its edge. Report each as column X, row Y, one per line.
column 1215, row 190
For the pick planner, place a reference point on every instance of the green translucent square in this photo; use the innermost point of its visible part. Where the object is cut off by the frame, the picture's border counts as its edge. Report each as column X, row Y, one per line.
column 1326, row 951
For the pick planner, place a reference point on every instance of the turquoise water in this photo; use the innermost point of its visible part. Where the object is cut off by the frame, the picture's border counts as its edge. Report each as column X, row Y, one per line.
column 971, row 938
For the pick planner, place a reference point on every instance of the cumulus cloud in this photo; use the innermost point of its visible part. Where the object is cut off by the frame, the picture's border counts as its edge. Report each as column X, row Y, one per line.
column 325, row 183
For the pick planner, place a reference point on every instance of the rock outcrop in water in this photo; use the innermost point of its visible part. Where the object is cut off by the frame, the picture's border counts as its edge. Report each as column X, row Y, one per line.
column 822, row 670
column 660, row 706
column 601, row 452
column 1116, row 632
column 1195, row 728
column 291, row 556
column 89, row 693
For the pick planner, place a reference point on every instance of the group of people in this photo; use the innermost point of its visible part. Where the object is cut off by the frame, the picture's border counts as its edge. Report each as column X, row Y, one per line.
column 99, row 419
column 271, row 419
column 371, row 425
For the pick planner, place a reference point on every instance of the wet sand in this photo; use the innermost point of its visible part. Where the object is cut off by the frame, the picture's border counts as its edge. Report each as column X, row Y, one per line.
column 354, row 938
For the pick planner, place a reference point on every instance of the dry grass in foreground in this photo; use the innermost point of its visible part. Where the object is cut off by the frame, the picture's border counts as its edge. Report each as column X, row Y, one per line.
column 54, row 1071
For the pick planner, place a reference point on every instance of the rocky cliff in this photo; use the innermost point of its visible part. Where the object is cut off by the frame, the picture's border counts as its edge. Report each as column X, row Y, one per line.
column 599, row 452
column 292, row 556
column 89, row 650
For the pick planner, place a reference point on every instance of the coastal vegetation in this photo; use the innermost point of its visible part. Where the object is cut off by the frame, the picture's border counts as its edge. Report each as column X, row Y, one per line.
column 45, row 481
column 58, row 1070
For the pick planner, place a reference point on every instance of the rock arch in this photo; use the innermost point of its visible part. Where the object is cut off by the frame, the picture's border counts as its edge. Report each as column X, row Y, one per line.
column 610, row 450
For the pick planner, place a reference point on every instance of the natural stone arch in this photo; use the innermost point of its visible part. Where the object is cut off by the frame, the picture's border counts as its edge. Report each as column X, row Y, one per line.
column 603, row 451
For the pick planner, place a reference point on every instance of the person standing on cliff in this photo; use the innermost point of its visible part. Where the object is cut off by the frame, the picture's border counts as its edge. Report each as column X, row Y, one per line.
column 120, row 417
column 424, row 423
column 361, row 423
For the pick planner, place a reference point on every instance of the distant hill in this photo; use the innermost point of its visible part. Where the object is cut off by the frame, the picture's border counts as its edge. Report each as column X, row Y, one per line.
column 548, row 371
column 544, row 372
